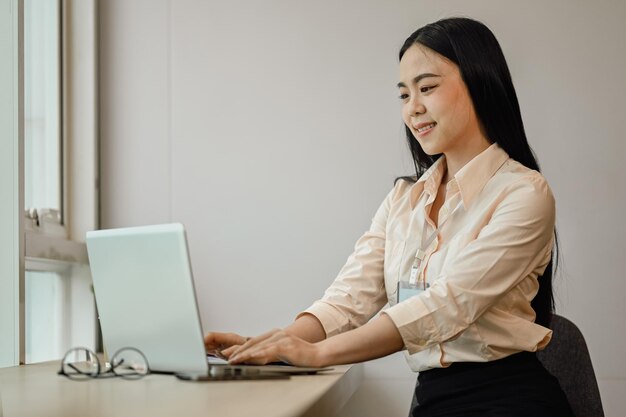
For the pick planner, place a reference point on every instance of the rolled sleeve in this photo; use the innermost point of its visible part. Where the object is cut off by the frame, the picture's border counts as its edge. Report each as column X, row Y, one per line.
column 515, row 244
column 358, row 292
column 415, row 324
column 333, row 320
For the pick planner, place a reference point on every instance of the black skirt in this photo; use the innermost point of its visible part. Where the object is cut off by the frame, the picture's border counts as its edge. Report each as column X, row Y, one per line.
column 515, row 386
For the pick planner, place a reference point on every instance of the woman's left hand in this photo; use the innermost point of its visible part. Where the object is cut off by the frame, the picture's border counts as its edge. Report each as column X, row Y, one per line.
column 276, row 346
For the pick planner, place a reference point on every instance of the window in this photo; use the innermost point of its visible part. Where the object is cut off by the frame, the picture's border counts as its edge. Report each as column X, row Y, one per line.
column 48, row 70
column 42, row 107
column 45, row 318
column 45, row 315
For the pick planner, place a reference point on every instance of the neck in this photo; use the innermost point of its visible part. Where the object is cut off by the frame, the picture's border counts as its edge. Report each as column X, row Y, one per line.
column 456, row 159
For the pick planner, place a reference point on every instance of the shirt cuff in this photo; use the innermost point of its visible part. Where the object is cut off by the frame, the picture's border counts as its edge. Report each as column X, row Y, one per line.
column 332, row 320
column 415, row 324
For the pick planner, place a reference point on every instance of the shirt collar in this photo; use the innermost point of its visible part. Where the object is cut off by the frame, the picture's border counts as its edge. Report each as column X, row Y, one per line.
column 470, row 179
column 431, row 178
column 473, row 177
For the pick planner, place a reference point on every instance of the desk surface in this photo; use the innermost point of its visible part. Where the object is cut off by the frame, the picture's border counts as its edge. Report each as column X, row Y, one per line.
column 36, row 390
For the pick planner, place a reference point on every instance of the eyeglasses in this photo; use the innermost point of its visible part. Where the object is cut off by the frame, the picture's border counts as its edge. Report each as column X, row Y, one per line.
column 82, row 363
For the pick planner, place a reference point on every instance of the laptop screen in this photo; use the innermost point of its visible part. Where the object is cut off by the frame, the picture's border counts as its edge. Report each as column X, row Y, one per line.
column 145, row 295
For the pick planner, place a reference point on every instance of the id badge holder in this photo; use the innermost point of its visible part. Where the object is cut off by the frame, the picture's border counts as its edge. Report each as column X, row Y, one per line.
column 406, row 290
column 412, row 287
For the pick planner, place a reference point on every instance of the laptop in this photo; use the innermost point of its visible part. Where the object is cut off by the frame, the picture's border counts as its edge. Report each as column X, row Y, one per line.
column 146, row 299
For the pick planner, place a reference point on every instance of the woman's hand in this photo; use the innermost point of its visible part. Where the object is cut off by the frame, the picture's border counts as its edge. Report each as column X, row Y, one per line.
column 276, row 346
column 377, row 338
column 217, row 343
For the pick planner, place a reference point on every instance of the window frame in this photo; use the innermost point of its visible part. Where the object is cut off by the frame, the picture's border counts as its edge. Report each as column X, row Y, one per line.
column 47, row 247
column 11, row 181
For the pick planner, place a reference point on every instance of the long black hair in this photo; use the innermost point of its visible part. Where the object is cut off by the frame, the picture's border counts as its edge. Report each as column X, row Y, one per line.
column 475, row 50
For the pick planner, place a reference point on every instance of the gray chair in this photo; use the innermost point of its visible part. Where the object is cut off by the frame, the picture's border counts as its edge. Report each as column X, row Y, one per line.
column 567, row 358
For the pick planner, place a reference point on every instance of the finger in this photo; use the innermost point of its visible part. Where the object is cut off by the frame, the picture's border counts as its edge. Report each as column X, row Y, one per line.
column 229, row 351
column 216, row 340
column 218, row 354
column 253, row 341
column 269, row 350
column 257, row 355
column 213, row 339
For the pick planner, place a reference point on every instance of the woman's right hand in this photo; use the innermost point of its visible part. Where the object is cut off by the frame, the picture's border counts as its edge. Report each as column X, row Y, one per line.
column 215, row 343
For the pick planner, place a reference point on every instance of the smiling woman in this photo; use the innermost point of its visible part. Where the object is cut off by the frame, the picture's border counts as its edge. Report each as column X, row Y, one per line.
column 458, row 251
column 437, row 107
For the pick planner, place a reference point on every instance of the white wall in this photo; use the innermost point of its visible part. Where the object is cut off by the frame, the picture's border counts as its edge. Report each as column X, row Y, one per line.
column 272, row 131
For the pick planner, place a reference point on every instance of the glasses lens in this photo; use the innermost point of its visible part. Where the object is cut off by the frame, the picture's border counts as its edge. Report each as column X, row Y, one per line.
column 80, row 363
column 129, row 363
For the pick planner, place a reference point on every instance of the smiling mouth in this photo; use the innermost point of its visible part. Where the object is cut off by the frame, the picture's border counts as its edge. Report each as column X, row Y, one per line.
column 425, row 128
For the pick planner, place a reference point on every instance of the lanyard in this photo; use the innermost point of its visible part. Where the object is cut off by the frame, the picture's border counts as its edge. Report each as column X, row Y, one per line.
column 426, row 242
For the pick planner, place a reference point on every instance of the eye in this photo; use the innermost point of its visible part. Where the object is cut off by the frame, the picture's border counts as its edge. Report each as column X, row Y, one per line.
column 403, row 96
column 427, row 88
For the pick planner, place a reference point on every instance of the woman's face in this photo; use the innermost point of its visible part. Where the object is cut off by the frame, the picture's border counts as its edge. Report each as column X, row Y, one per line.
column 436, row 105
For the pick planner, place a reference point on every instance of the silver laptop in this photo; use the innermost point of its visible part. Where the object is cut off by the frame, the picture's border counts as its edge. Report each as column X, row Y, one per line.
column 146, row 299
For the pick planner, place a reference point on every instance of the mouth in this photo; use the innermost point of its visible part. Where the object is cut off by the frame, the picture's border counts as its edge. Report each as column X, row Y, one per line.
column 423, row 128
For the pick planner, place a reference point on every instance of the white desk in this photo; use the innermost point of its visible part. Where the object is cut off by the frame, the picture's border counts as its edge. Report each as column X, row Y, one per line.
column 37, row 391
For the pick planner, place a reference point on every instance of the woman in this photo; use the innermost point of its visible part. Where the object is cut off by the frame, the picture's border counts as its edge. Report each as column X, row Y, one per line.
column 462, row 252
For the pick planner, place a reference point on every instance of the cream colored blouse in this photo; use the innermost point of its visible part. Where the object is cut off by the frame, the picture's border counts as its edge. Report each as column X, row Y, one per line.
column 482, row 267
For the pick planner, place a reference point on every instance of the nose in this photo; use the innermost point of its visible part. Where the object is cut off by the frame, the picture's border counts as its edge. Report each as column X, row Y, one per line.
column 415, row 107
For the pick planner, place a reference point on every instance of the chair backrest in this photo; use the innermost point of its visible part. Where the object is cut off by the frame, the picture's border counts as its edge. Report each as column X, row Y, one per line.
column 567, row 358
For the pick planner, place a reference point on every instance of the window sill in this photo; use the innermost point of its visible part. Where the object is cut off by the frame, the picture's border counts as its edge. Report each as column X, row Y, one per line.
column 43, row 252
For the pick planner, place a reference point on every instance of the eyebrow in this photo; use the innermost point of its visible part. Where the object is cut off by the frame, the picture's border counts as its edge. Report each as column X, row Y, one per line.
column 418, row 79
